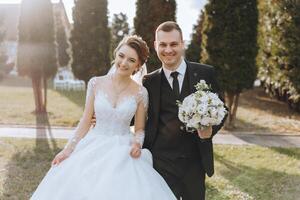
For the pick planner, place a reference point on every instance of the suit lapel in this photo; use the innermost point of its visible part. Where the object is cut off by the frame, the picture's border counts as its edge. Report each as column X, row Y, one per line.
column 156, row 85
column 193, row 76
column 155, row 100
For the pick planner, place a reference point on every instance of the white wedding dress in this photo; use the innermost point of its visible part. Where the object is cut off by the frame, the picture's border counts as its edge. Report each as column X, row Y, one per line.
column 100, row 167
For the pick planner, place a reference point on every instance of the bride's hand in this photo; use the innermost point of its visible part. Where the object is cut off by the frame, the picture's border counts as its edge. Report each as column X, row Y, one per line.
column 135, row 150
column 61, row 156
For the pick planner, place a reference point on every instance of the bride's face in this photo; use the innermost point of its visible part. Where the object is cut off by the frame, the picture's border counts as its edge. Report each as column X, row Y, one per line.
column 126, row 60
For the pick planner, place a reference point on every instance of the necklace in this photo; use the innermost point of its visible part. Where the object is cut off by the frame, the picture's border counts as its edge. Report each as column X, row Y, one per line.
column 117, row 90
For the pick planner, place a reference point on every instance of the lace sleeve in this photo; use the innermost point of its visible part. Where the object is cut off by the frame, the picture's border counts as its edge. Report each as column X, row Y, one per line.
column 140, row 116
column 90, row 90
column 85, row 121
column 143, row 97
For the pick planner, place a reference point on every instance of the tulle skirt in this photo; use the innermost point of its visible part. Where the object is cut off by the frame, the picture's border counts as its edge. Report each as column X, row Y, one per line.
column 101, row 168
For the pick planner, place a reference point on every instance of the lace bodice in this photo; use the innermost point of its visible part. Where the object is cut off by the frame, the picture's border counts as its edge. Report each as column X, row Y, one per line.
column 115, row 119
column 112, row 117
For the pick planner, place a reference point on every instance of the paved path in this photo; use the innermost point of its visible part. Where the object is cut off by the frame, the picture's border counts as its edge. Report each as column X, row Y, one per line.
column 268, row 140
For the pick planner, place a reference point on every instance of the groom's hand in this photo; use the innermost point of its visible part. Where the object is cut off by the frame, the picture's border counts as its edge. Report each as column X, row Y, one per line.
column 206, row 133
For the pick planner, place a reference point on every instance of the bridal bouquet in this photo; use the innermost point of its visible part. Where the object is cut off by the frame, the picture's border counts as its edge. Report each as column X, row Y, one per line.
column 201, row 109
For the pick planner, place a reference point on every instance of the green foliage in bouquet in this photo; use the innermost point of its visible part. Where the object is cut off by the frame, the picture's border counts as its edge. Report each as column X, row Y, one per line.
column 202, row 86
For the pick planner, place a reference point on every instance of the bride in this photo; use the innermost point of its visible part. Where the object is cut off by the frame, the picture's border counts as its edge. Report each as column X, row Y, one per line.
column 107, row 162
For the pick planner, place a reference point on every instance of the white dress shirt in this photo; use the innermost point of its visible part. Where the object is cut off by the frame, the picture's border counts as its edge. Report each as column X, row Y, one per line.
column 181, row 70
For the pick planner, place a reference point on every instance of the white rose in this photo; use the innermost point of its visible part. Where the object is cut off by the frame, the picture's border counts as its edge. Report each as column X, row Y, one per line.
column 196, row 118
column 204, row 99
column 213, row 95
column 202, row 108
column 213, row 112
column 205, row 121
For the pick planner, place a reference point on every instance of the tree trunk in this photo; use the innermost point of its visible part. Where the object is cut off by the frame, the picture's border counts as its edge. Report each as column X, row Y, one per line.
column 45, row 94
column 229, row 102
column 35, row 94
column 38, row 95
column 234, row 109
column 232, row 101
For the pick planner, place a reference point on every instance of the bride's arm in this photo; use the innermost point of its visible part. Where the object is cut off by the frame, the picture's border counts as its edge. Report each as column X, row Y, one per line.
column 83, row 125
column 139, row 124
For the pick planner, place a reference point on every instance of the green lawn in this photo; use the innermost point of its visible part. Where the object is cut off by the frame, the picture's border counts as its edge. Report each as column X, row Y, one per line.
column 17, row 104
column 257, row 112
column 242, row 172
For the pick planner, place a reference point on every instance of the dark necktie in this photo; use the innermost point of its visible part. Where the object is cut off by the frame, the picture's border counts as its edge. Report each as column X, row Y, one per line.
column 175, row 83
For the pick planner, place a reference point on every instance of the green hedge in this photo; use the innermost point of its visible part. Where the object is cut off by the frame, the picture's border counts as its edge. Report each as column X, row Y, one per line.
column 279, row 55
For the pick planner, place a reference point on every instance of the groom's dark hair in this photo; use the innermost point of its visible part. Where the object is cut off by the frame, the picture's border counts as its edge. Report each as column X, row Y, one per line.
column 169, row 26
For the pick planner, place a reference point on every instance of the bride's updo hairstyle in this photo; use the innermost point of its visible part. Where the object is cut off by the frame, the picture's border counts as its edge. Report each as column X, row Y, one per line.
column 138, row 44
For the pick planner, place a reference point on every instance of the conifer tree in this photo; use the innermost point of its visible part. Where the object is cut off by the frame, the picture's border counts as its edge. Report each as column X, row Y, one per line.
column 3, row 56
column 119, row 29
column 62, row 42
column 36, row 55
column 193, row 51
column 90, row 39
column 229, row 44
column 279, row 56
column 149, row 14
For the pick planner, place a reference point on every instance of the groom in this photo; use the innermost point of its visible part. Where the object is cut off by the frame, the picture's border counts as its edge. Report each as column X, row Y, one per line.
column 181, row 158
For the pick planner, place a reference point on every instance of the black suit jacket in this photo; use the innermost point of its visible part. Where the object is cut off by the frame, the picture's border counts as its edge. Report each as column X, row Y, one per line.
column 152, row 82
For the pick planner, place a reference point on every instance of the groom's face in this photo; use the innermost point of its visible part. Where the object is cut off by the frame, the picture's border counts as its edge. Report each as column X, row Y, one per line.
column 169, row 48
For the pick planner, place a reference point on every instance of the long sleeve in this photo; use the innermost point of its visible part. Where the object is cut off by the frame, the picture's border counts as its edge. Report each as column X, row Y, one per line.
column 140, row 116
column 85, row 121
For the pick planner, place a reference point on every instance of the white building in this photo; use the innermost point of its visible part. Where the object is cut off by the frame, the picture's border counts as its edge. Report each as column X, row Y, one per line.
column 64, row 80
